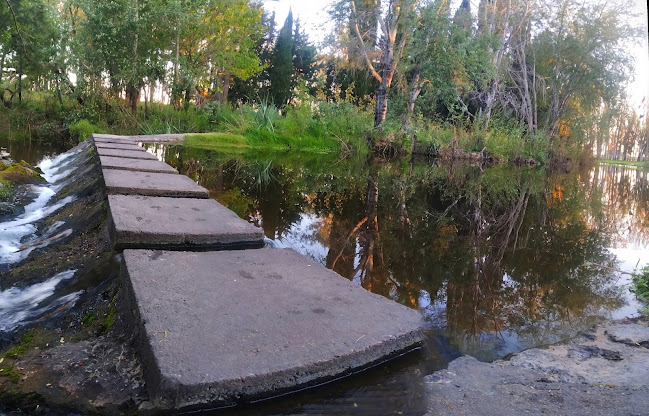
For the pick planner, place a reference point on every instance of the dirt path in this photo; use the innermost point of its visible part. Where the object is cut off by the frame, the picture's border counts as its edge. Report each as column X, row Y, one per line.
column 602, row 372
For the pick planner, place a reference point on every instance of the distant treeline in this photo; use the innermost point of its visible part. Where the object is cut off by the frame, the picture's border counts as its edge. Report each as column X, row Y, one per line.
column 526, row 78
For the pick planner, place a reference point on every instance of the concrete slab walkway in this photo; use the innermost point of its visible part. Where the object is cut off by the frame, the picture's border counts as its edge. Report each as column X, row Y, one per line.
column 179, row 223
column 127, row 154
column 120, row 146
column 151, row 184
column 221, row 327
column 135, row 164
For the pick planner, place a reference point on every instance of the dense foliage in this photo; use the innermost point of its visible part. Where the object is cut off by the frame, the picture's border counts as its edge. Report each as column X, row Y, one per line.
column 511, row 79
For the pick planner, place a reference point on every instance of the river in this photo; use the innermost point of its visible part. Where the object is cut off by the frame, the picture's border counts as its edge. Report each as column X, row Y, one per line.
column 497, row 259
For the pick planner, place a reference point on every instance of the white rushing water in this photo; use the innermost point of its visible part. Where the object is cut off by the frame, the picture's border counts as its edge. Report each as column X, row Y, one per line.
column 17, row 236
column 19, row 306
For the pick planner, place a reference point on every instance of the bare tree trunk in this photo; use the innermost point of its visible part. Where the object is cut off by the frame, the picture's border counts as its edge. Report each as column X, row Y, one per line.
column 390, row 50
column 381, row 104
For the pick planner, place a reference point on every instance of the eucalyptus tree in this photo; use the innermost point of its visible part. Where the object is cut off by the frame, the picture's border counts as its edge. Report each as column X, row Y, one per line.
column 444, row 61
column 501, row 21
column 583, row 53
column 395, row 19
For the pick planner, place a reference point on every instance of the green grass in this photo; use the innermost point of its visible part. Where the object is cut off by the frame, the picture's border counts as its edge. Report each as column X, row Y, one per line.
column 22, row 348
column 10, row 372
column 641, row 285
column 623, row 162
column 110, row 316
column 5, row 190
column 216, row 140
column 260, row 139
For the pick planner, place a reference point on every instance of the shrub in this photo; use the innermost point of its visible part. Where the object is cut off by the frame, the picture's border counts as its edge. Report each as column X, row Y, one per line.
column 641, row 285
column 83, row 129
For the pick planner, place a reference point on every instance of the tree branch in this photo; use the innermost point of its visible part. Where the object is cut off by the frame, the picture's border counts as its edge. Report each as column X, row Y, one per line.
column 362, row 44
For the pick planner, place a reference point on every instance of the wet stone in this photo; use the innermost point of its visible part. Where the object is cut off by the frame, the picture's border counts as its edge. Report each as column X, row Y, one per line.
column 135, row 164
column 151, row 184
column 227, row 326
column 128, row 154
column 178, row 223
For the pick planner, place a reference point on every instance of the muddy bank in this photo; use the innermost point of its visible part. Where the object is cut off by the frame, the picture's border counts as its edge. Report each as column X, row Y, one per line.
column 601, row 372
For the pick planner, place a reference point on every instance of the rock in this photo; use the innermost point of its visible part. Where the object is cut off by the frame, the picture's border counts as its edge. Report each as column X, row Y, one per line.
column 597, row 373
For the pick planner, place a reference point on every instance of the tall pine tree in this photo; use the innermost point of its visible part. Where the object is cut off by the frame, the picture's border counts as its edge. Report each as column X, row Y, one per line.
column 304, row 57
column 280, row 73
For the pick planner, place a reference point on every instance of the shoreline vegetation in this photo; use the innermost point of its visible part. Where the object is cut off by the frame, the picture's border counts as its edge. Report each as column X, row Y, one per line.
column 450, row 83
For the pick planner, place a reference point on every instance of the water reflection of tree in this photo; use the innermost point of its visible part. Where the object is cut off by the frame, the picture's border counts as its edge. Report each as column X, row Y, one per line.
column 620, row 195
column 500, row 252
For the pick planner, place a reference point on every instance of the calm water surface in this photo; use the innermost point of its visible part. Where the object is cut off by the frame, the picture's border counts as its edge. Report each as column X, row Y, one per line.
column 497, row 260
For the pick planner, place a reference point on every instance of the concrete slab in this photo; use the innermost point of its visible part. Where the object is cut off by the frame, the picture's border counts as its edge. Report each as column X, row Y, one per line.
column 228, row 326
column 120, row 146
column 179, row 223
column 151, row 184
column 110, row 138
column 151, row 138
column 128, row 154
column 135, row 164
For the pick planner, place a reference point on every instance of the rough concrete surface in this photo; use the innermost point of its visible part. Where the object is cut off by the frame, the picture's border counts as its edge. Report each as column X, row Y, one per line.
column 603, row 372
column 151, row 184
column 120, row 146
column 108, row 138
column 135, row 164
column 157, row 222
column 127, row 154
column 152, row 138
column 221, row 327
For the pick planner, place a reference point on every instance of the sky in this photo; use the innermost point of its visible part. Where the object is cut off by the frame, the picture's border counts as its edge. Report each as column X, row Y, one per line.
column 316, row 22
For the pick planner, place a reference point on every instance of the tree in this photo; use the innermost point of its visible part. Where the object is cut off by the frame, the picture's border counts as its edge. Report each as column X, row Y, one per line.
column 584, row 58
column 28, row 43
column 280, row 73
column 304, row 57
column 126, row 40
column 395, row 26
column 233, row 29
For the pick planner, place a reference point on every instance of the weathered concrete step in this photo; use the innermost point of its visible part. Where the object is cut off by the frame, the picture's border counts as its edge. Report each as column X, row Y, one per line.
column 151, row 184
column 152, row 138
column 141, row 165
column 127, row 154
column 120, row 146
column 226, row 326
column 110, row 138
column 178, row 223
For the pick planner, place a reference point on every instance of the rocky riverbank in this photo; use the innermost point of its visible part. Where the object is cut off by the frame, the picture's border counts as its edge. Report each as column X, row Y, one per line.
column 601, row 372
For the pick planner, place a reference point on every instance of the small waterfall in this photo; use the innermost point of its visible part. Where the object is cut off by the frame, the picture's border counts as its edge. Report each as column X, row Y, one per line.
column 18, row 235
column 20, row 306
column 22, row 233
